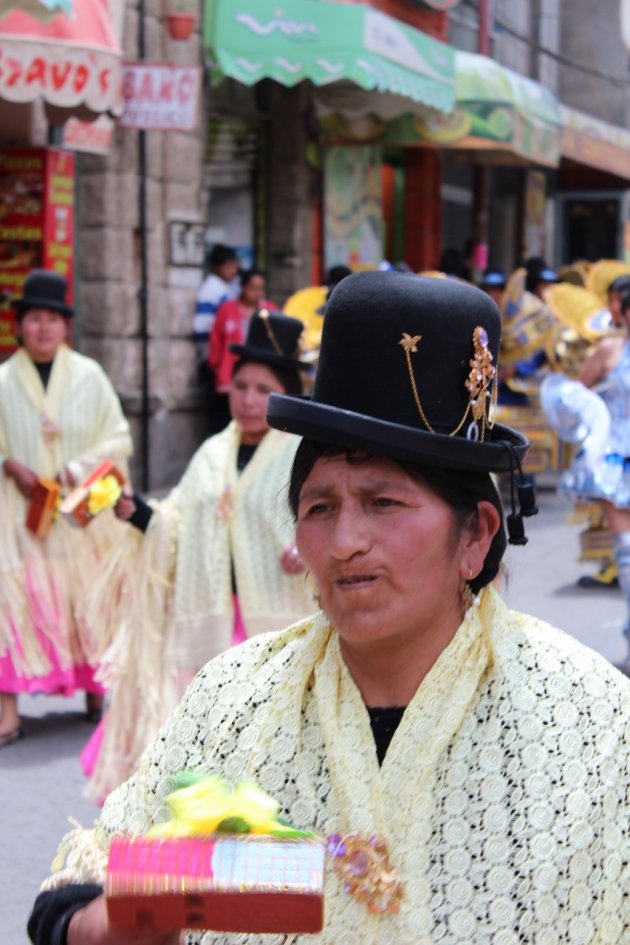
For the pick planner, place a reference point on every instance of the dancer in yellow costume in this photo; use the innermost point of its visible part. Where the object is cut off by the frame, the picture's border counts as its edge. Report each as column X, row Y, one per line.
column 489, row 751
column 59, row 417
column 211, row 565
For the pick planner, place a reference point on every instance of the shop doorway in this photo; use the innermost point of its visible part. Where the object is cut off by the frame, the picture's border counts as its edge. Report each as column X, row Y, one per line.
column 590, row 225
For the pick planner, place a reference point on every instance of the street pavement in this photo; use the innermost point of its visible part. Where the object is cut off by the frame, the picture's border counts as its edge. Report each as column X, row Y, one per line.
column 41, row 782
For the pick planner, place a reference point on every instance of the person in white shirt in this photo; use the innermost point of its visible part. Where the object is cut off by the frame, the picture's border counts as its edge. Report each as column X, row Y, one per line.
column 220, row 285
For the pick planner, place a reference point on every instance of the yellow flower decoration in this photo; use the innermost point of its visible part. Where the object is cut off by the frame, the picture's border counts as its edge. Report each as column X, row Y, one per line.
column 104, row 494
column 205, row 805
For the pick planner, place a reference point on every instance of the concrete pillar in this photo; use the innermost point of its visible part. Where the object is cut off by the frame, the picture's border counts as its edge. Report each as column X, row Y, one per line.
column 289, row 204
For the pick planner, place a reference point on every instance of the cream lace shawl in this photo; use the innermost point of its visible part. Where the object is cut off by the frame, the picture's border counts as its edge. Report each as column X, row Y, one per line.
column 42, row 581
column 167, row 596
column 504, row 795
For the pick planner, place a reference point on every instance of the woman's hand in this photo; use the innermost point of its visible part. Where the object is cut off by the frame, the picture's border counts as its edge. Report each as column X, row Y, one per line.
column 290, row 561
column 90, row 926
column 66, row 478
column 125, row 507
column 23, row 477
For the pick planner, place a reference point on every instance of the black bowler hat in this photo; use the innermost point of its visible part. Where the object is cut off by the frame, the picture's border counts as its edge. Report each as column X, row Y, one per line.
column 273, row 338
column 44, row 289
column 407, row 369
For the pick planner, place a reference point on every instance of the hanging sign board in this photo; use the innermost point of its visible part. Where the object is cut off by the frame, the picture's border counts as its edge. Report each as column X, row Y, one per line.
column 91, row 137
column 160, row 96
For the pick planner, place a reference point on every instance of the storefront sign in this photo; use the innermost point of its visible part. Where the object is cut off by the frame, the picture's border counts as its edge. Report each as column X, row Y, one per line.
column 68, row 59
column 91, row 137
column 58, row 247
column 160, row 96
column 186, row 243
column 63, row 80
column 535, row 205
column 36, row 223
column 353, row 211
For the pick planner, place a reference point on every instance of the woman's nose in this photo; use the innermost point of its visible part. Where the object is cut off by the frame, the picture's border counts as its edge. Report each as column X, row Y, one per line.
column 350, row 534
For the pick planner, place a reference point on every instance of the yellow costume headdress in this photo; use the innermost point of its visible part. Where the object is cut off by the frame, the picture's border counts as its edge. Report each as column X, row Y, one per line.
column 526, row 321
column 602, row 273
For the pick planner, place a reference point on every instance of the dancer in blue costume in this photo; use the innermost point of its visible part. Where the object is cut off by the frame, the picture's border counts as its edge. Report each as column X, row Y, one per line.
column 601, row 469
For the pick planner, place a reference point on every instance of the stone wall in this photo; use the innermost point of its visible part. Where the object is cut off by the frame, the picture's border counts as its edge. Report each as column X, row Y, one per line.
column 591, row 35
column 108, row 265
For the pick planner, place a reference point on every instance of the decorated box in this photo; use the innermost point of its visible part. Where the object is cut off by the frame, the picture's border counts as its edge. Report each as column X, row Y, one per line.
column 224, row 861
column 227, row 883
column 100, row 490
column 42, row 507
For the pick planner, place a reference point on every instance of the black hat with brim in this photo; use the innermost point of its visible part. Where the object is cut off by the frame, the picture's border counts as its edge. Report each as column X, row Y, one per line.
column 273, row 338
column 399, row 356
column 44, row 289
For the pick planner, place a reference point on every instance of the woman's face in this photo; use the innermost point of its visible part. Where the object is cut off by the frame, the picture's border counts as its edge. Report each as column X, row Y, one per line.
column 254, row 291
column 249, row 394
column 42, row 331
column 383, row 548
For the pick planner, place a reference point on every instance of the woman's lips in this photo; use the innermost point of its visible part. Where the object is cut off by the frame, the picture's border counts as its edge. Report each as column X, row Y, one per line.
column 356, row 582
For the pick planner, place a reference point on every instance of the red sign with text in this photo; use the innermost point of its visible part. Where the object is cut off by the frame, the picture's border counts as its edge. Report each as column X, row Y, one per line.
column 160, row 97
column 36, row 224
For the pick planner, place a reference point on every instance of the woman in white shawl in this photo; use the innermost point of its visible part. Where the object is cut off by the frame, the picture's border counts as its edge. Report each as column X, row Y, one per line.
column 211, row 565
column 59, row 417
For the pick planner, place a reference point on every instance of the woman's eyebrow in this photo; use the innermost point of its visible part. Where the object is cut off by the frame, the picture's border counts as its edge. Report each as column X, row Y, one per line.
column 367, row 488
column 323, row 491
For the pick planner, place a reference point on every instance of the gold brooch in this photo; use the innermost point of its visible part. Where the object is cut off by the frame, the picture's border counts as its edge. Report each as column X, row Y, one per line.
column 363, row 866
column 481, row 376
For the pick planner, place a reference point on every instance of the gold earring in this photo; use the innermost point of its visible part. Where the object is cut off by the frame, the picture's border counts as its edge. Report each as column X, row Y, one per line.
column 311, row 589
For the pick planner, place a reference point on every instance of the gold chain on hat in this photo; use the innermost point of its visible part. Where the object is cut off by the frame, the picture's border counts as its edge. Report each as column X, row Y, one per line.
column 482, row 374
column 264, row 315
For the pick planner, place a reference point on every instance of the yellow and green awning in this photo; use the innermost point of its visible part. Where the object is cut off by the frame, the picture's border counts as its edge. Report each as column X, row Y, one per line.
column 326, row 42
column 497, row 110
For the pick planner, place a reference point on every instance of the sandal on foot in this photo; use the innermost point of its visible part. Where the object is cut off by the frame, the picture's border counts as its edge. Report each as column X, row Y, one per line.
column 9, row 737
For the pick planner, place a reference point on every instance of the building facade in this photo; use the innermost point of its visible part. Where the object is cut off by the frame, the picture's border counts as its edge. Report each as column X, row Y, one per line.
column 301, row 176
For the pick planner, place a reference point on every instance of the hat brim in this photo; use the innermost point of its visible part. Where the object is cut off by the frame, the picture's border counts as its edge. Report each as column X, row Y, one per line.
column 23, row 304
column 269, row 357
column 503, row 452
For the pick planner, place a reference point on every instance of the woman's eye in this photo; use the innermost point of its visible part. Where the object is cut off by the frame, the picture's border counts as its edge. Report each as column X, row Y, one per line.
column 316, row 509
column 384, row 502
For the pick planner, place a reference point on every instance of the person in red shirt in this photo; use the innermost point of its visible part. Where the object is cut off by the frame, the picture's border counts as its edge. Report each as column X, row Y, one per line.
column 231, row 324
